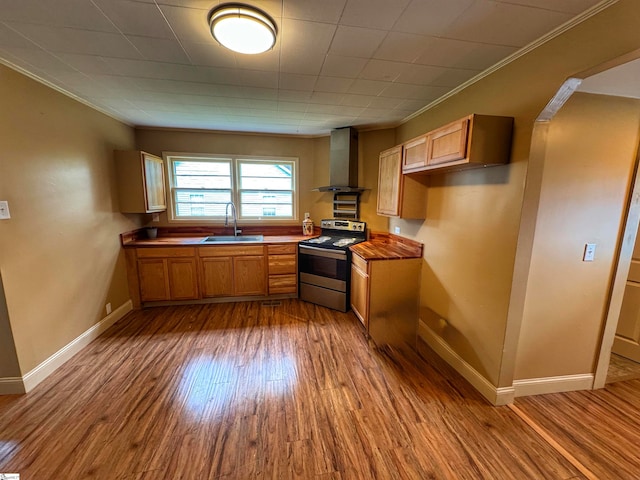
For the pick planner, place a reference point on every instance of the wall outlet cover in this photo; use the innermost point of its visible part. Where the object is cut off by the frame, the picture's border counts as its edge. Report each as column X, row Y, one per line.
column 589, row 252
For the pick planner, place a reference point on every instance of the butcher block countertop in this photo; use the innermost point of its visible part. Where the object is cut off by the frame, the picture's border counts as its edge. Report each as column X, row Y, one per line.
column 193, row 241
column 387, row 246
column 380, row 246
column 192, row 236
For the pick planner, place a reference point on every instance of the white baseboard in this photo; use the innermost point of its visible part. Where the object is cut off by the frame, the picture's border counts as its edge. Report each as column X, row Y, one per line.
column 495, row 395
column 11, row 385
column 46, row 368
column 565, row 383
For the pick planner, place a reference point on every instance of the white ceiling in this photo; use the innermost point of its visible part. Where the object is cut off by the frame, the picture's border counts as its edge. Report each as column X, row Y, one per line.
column 365, row 63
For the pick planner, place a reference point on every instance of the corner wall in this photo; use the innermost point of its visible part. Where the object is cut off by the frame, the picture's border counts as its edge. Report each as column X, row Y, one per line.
column 589, row 162
column 61, row 260
column 473, row 217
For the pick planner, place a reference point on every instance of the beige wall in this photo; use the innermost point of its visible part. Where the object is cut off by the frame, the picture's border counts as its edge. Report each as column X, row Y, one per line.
column 9, row 366
column 473, row 217
column 313, row 155
column 60, row 257
column 590, row 156
column 306, row 150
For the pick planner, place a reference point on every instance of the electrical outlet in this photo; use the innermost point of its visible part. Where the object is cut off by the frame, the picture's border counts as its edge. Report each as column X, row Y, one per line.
column 396, row 230
column 4, row 210
column 155, row 217
column 108, row 308
column 589, row 252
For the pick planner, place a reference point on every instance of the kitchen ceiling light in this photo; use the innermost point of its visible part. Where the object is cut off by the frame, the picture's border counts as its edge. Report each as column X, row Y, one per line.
column 242, row 28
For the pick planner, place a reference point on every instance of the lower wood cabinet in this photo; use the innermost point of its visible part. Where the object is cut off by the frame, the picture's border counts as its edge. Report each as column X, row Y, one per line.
column 228, row 271
column 283, row 268
column 216, row 276
column 167, row 274
column 360, row 289
column 384, row 297
column 249, row 275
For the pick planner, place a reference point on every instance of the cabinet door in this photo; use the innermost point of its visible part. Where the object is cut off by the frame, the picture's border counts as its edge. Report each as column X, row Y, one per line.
column 390, row 182
column 217, row 276
column 153, row 169
column 183, row 279
column 249, row 275
column 448, row 143
column 415, row 154
column 154, row 279
column 360, row 294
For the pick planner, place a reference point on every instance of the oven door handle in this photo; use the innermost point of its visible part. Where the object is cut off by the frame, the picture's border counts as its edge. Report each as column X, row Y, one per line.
column 323, row 252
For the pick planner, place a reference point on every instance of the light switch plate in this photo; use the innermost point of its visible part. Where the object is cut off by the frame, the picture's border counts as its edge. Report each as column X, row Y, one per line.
column 589, row 252
column 4, row 210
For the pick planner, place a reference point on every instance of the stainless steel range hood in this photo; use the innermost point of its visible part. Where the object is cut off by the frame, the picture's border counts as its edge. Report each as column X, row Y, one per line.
column 343, row 162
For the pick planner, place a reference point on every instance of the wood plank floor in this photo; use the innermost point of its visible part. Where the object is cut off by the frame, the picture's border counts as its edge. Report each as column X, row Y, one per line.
column 601, row 428
column 245, row 390
column 622, row 369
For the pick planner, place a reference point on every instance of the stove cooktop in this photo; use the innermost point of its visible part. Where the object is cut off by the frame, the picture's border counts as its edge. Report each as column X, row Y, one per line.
column 338, row 234
column 335, row 241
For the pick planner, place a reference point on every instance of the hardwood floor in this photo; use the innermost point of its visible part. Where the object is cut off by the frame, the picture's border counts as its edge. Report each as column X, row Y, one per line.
column 246, row 390
column 601, row 428
column 621, row 369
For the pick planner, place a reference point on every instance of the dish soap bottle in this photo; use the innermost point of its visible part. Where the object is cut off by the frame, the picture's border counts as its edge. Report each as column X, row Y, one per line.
column 307, row 225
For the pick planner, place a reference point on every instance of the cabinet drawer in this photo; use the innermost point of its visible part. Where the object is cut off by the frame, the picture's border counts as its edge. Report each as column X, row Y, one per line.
column 283, row 283
column 359, row 262
column 231, row 251
column 165, row 252
column 279, row 264
column 284, row 248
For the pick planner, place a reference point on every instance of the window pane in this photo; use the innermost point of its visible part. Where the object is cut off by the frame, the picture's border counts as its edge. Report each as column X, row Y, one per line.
column 266, row 204
column 266, row 176
column 252, row 183
column 199, row 203
column 202, row 187
column 213, row 174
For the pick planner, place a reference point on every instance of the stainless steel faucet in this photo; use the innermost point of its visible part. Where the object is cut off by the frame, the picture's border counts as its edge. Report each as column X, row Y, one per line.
column 235, row 218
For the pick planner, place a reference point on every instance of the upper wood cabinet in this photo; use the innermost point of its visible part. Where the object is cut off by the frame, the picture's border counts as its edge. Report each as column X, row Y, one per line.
column 471, row 142
column 448, row 143
column 398, row 195
column 140, row 181
column 415, row 151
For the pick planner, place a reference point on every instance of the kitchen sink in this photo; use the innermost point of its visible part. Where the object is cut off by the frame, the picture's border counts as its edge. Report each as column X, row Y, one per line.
column 232, row 238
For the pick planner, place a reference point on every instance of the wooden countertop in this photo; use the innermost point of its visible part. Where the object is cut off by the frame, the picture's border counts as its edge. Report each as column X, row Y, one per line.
column 198, row 240
column 380, row 246
column 387, row 246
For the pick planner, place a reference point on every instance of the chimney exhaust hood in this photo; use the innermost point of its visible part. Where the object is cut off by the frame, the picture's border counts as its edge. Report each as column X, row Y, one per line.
column 343, row 162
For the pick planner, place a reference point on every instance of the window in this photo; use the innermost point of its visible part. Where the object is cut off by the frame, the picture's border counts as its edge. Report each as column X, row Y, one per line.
column 261, row 188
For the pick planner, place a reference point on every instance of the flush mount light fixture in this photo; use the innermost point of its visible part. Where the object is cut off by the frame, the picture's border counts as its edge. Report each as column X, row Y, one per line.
column 242, row 28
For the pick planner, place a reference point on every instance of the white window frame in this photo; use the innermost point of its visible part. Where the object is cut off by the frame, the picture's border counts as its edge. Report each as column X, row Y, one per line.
column 235, row 161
